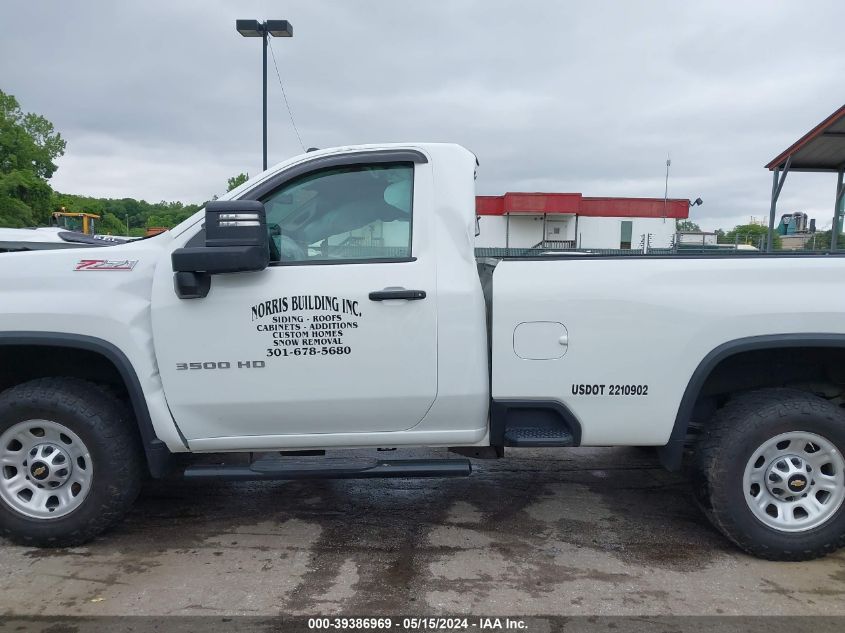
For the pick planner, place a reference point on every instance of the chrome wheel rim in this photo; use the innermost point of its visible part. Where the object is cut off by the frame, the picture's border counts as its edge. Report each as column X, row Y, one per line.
column 45, row 469
column 795, row 481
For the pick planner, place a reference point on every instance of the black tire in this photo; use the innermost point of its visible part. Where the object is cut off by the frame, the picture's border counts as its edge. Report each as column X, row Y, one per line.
column 725, row 447
column 106, row 428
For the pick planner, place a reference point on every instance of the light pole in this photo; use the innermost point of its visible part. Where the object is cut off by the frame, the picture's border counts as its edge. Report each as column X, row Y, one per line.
column 254, row 28
column 666, row 190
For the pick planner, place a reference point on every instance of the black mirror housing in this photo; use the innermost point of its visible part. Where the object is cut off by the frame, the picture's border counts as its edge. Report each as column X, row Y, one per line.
column 236, row 240
column 236, row 223
column 221, row 259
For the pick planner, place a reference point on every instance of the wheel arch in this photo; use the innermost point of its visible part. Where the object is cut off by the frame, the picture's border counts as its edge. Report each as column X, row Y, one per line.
column 156, row 452
column 671, row 454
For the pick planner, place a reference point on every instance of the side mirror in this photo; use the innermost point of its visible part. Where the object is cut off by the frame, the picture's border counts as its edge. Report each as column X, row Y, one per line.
column 236, row 240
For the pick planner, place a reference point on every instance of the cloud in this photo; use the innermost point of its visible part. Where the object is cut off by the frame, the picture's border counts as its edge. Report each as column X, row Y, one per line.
column 161, row 100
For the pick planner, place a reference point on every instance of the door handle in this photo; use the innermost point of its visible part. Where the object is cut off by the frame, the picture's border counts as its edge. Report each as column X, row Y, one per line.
column 397, row 293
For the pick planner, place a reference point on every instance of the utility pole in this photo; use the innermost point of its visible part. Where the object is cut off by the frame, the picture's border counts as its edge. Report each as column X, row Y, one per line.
column 264, row 99
column 666, row 189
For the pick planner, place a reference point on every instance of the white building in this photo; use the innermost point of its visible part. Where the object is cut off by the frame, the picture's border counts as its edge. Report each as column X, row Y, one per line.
column 570, row 220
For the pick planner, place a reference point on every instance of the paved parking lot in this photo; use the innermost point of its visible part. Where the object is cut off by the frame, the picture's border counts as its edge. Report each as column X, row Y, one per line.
column 561, row 531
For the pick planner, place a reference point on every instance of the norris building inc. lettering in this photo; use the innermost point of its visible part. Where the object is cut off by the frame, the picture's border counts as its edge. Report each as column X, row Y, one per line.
column 296, row 303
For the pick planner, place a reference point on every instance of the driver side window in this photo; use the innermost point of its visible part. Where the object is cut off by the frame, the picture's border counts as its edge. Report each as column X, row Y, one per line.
column 352, row 213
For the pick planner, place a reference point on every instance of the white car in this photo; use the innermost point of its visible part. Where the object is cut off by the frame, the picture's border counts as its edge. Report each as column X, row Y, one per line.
column 51, row 237
column 335, row 301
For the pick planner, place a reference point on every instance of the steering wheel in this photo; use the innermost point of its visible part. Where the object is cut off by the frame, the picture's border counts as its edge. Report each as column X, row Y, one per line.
column 274, row 230
column 290, row 250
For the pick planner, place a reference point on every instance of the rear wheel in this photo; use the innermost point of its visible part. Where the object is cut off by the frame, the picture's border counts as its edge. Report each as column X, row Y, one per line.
column 770, row 473
column 70, row 462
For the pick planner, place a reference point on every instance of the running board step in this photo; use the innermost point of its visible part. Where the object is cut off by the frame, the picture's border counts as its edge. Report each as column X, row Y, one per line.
column 538, row 436
column 328, row 468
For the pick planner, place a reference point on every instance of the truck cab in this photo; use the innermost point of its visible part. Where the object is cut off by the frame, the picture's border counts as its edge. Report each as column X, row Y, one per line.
column 79, row 222
column 370, row 294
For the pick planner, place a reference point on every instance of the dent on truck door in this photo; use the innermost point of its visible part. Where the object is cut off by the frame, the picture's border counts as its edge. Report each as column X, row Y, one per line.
column 338, row 335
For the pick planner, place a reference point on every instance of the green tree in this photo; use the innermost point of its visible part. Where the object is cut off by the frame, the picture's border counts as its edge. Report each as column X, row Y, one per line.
column 237, row 181
column 113, row 212
column 751, row 234
column 820, row 241
column 687, row 226
column 28, row 146
column 110, row 224
column 24, row 199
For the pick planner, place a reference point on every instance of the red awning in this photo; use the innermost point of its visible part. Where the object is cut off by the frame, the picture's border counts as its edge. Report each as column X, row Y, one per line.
column 576, row 204
column 531, row 203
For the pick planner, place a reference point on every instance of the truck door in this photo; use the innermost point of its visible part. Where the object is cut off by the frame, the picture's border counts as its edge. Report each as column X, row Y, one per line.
column 338, row 335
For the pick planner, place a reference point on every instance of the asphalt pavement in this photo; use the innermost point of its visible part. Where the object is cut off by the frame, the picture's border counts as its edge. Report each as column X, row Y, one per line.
column 543, row 532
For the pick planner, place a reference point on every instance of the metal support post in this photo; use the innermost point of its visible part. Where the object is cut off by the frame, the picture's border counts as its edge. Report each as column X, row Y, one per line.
column 777, row 184
column 837, row 210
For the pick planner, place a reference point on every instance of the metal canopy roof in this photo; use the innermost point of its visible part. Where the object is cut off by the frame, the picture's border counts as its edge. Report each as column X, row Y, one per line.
column 820, row 149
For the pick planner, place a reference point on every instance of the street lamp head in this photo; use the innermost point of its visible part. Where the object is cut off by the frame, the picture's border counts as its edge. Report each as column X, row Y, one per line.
column 697, row 202
column 279, row 28
column 256, row 28
column 249, row 28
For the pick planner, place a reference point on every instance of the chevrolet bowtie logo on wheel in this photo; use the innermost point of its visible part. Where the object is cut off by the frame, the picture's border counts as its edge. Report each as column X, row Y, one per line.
column 797, row 483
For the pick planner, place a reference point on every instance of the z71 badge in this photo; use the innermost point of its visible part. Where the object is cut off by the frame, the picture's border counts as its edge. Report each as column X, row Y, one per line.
column 106, row 264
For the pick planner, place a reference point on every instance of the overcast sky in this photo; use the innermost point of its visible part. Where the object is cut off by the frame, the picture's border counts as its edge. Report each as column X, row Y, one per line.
column 161, row 100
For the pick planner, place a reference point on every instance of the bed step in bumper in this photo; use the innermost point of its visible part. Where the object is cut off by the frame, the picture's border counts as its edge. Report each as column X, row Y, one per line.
column 538, row 436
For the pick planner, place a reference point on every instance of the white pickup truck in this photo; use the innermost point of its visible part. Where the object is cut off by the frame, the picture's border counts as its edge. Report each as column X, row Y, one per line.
column 335, row 301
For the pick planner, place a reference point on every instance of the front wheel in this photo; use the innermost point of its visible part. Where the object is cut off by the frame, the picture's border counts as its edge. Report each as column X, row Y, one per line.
column 70, row 462
column 770, row 474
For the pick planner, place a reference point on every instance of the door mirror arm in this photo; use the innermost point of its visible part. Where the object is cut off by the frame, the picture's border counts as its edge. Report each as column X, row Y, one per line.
column 191, row 285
